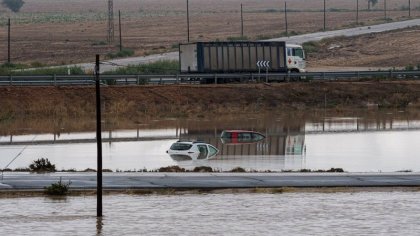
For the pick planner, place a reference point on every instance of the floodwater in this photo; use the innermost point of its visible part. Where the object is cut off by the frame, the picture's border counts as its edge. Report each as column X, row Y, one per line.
column 359, row 213
column 378, row 142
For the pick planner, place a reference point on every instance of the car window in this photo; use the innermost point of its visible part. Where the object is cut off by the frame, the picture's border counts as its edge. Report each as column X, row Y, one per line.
column 180, row 146
column 212, row 151
column 203, row 151
column 244, row 136
column 257, row 137
column 226, row 134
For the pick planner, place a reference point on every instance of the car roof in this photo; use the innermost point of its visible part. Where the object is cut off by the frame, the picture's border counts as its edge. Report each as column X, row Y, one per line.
column 190, row 142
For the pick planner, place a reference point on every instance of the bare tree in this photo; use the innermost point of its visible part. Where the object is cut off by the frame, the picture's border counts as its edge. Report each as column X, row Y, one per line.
column 13, row 5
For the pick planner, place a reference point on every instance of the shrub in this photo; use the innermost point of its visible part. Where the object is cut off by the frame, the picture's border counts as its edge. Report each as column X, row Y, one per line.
column 42, row 165
column 37, row 64
column 13, row 5
column 203, row 169
column 409, row 67
column 171, row 169
column 311, row 47
column 237, row 38
column 57, row 189
column 99, row 43
column 238, row 169
column 125, row 52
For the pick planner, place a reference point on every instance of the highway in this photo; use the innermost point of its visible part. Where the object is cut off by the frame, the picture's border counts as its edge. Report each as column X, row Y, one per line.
column 123, row 181
column 298, row 39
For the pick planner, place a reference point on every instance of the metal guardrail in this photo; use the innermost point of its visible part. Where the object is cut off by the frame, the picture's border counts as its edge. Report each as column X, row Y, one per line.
column 56, row 80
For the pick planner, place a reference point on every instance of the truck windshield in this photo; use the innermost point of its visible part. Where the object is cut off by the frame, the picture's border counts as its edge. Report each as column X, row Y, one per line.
column 298, row 52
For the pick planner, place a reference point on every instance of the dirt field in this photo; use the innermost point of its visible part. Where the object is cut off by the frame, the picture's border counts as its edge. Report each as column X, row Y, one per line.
column 399, row 49
column 58, row 32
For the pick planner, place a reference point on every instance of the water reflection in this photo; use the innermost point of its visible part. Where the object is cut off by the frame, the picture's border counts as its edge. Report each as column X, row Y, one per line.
column 354, row 143
column 99, row 225
column 240, row 137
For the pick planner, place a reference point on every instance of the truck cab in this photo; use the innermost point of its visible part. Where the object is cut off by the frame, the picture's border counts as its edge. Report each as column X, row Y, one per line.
column 295, row 58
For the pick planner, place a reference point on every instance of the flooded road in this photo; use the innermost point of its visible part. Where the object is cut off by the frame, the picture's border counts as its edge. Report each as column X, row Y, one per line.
column 359, row 213
column 359, row 143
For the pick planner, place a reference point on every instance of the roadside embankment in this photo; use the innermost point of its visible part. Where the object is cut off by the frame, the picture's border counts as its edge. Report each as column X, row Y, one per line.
column 204, row 100
column 209, row 181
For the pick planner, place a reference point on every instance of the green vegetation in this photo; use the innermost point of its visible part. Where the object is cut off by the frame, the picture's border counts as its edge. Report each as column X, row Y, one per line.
column 237, row 38
column 57, row 189
column 311, row 47
column 159, row 67
column 75, row 70
column 20, row 69
column 13, row 5
column 99, row 43
column 125, row 52
column 42, row 165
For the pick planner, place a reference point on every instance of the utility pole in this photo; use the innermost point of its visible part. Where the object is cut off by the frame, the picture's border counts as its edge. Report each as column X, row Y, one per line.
column 385, row 10
column 98, row 142
column 110, row 21
column 285, row 17
column 409, row 8
column 119, row 23
column 325, row 14
column 188, row 24
column 8, row 41
column 357, row 12
column 242, row 23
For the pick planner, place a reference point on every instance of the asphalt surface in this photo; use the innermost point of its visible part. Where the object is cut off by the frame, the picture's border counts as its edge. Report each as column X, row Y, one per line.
column 298, row 39
column 121, row 181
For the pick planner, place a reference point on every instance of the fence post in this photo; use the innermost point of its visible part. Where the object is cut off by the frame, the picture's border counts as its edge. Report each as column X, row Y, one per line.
column 215, row 78
column 10, row 80
column 55, row 80
column 177, row 79
column 138, row 80
column 266, row 74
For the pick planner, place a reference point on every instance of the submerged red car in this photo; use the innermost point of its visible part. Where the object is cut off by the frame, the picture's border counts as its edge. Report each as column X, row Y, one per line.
column 240, row 136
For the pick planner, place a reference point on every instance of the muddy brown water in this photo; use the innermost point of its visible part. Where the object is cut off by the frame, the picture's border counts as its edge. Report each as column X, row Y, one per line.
column 360, row 213
column 374, row 141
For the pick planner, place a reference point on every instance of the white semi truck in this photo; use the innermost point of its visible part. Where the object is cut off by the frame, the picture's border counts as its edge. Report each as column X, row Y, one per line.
column 241, row 57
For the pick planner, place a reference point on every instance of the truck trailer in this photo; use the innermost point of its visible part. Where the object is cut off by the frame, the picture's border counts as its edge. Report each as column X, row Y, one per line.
column 241, row 57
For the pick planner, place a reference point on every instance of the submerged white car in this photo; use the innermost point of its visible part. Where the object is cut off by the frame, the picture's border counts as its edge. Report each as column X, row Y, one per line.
column 191, row 151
